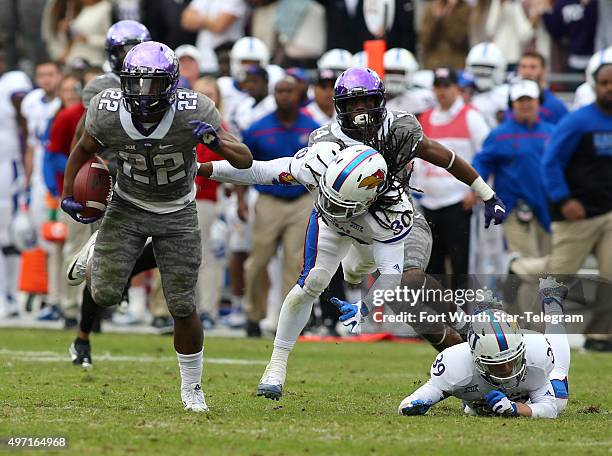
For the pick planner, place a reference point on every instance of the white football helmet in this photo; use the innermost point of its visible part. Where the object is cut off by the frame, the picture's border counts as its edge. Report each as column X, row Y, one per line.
column 250, row 50
column 337, row 60
column 487, row 64
column 360, row 60
column 400, row 66
column 23, row 231
column 497, row 347
column 598, row 59
column 351, row 182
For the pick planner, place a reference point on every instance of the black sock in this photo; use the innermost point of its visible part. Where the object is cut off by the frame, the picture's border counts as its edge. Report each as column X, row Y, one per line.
column 90, row 311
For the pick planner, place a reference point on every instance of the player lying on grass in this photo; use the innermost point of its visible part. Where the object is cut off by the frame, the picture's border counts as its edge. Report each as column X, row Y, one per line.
column 150, row 124
column 501, row 370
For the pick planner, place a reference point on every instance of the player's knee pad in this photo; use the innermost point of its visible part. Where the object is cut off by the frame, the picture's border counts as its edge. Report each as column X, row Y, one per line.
column 316, row 281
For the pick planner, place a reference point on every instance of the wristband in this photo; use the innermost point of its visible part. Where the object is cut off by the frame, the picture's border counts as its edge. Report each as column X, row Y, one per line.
column 452, row 161
column 482, row 189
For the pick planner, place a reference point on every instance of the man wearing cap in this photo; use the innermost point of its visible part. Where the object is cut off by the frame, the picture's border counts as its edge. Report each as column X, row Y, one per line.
column 447, row 202
column 532, row 65
column 321, row 109
column 189, row 59
column 512, row 154
column 281, row 211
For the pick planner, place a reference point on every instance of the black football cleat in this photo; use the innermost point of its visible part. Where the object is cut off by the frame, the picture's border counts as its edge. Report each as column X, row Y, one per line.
column 80, row 352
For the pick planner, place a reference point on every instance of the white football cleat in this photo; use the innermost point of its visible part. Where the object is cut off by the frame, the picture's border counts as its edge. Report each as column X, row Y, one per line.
column 193, row 398
column 270, row 385
column 75, row 274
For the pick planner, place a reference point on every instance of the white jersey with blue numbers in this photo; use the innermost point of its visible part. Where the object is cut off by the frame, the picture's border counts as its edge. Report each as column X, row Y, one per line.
column 305, row 168
column 155, row 172
column 454, row 373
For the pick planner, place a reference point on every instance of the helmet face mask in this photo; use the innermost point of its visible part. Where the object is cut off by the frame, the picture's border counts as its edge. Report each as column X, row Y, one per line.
column 149, row 79
column 355, row 87
column 351, row 183
column 331, row 204
column 497, row 347
column 246, row 52
column 502, row 370
column 487, row 64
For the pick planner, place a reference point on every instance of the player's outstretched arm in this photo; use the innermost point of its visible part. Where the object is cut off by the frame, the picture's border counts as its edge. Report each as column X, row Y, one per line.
column 436, row 154
column 421, row 400
column 272, row 172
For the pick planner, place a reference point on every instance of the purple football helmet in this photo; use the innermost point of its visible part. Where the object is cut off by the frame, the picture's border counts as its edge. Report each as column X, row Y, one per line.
column 352, row 86
column 149, row 78
column 120, row 38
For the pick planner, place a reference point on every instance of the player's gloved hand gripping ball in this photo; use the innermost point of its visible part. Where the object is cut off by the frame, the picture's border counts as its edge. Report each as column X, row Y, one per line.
column 74, row 208
column 206, row 134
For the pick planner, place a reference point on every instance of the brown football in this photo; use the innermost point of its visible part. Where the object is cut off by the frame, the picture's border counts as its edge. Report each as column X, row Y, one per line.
column 93, row 187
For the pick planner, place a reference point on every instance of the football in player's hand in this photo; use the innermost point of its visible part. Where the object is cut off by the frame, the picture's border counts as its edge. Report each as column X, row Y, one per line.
column 93, row 187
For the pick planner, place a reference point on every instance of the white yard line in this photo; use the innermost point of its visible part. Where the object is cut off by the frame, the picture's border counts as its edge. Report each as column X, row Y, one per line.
column 48, row 356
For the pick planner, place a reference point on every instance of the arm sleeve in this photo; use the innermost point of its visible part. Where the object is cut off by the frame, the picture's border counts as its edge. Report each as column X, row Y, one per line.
column 271, row 172
column 542, row 402
column 428, row 393
column 484, row 161
column 557, row 154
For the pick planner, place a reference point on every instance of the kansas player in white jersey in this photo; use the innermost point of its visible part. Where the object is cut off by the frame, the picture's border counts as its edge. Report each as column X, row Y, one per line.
column 13, row 87
column 359, row 97
column 501, row 370
column 149, row 123
column 487, row 65
column 402, row 94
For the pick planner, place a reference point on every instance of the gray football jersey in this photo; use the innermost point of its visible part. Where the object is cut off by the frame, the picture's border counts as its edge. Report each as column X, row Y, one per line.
column 155, row 172
column 98, row 84
column 400, row 122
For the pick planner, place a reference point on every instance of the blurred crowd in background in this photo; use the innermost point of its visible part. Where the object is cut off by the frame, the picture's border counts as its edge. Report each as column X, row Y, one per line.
column 488, row 78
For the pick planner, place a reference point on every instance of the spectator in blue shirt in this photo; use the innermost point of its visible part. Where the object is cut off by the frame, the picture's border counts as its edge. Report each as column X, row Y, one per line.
column 578, row 179
column 281, row 211
column 512, row 153
column 532, row 65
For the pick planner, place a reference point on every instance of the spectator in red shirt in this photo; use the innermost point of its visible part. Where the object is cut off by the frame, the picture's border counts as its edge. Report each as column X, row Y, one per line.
column 62, row 127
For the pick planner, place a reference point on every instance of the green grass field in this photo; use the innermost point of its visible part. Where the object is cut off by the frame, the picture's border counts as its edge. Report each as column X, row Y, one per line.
column 340, row 399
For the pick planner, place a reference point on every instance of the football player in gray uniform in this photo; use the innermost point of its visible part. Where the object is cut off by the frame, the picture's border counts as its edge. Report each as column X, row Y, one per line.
column 153, row 127
column 120, row 38
column 359, row 100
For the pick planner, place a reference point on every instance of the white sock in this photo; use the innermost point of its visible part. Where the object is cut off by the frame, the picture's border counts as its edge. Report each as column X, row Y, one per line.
column 294, row 315
column 191, row 368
